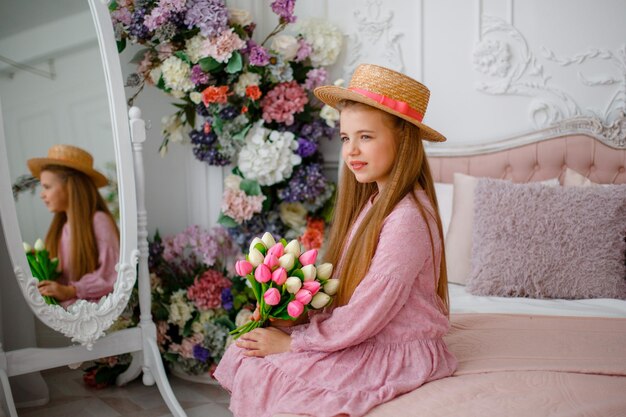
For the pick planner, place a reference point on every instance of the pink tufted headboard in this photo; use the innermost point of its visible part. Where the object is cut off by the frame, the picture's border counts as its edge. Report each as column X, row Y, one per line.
column 532, row 162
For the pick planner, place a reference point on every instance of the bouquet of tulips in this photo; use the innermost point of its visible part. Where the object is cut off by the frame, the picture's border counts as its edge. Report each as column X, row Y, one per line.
column 285, row 282
column 41, row 266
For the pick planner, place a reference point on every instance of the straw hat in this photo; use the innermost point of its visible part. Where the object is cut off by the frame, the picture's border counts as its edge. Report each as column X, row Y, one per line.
column 386, row 90
column 71, row 157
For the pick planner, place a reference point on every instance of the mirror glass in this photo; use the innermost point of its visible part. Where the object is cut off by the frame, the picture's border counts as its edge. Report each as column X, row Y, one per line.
column 53, row 91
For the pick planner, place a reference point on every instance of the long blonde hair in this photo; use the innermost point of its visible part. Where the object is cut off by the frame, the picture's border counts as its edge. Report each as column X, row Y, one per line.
column 410, row 172
column 84, row 201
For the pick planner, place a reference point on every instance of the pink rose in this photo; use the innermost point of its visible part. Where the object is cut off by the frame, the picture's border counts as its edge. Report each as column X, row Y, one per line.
column 304, row 296
column 308, row 257
column 263, row 273
column 279, row 276
column 272, row 297
column 295, row 308
column 312, row 286
column 243, row 268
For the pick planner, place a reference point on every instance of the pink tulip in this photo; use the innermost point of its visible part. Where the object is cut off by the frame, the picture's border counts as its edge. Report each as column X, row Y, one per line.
column 308, row 257
column 277, row 250
column 304, row 296
column 271, row 261
column 295, row 308
column 272, row 297
column 243, row 268
column 312, row 286
column 263, row 273
column 279, row 276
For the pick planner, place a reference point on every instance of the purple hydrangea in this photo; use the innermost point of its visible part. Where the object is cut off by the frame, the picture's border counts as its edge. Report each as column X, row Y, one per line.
column 304, row 50
column 306, row 147
column 198, row 76
column 201, row 353
column 210, row 155
column 284, row 9
column 258, row 56
column 137, row 28
column 256, row 226
column 210, row 16
column 228, row 113
column 227, row 299
column 307, row 183
column 315, row 78
column 317, row 129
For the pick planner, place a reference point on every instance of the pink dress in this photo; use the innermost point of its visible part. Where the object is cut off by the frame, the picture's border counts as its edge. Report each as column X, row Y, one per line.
column 385, row 342
column 96, row 284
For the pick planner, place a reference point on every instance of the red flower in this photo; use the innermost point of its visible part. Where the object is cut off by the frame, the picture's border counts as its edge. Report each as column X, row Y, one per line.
column 254, row 92
column 90, row 379
column 215, row 95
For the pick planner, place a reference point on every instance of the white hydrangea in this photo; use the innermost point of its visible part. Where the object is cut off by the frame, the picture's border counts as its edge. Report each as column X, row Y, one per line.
column 179, row 309
column 325, row 39
column 176, row 74
column 286, row 46
column 246, row 79
column 330, row 115
column 239, row 16
column 268, row 155
column 173, row 128
column 196, row 48
column 232, row 182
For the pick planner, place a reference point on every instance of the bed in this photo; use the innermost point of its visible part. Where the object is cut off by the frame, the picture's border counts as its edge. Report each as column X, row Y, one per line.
column 527, row 355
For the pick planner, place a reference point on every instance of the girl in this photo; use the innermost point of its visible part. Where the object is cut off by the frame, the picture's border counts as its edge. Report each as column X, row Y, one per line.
column 83, row 234
column 383, row 335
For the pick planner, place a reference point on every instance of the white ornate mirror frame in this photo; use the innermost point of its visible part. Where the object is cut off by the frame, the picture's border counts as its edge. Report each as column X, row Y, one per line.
column 86, row 322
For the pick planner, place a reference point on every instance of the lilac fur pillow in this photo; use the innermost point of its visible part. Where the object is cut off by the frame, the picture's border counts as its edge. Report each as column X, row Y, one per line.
column 530, row 240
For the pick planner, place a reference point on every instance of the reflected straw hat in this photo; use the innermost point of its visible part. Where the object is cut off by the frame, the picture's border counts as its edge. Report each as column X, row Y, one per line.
column 387, row 90
column 71, row 157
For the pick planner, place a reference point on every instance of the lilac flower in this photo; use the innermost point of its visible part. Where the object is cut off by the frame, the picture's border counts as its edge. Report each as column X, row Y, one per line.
column 227, row 299
column 210, row 16
column 258, row 56
column 317, row 129
column 306, row 147
column 304, row 50
column 198, row 76
column 306, row 184
column 315, row 78
column 137, row 28
column 201, row 353
column 284, row 9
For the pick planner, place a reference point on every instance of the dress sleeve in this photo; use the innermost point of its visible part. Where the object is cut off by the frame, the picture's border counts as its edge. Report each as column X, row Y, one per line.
column 101, row 281
column 403, row 248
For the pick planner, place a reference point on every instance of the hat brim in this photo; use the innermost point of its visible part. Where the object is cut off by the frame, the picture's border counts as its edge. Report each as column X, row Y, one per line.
column 331, row 95
column 35, row 165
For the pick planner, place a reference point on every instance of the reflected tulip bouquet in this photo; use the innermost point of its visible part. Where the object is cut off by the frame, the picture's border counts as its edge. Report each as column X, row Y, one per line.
column 41, row 266
column 285, row 282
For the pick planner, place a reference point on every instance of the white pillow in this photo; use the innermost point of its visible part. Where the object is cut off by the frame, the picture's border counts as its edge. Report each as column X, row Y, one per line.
column 444, row 200
column 458, row 241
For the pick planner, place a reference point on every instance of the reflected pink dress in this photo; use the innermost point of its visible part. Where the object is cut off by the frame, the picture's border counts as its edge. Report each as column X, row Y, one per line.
column 96, row 284
column 385, row 342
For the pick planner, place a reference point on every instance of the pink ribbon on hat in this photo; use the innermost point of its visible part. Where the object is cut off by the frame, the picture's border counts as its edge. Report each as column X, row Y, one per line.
column 397, row 105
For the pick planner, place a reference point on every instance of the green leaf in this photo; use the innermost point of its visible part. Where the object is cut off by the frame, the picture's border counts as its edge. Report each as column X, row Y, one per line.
column 261, row 248
column 217, row 125
column 227, row 221
column 256, row 287
column 209, row 64
column 190, row 116
column 183, row 56
column 250, row 187
column 283, row 241
column 121, row 45
column 234, row 64
column 241, row 135
column 113, row 5
column 298, row 273
column 161, row 83
column 226, row 322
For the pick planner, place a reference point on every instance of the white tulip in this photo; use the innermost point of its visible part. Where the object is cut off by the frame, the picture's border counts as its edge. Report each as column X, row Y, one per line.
column 255, row 257
column 293, row 285
column 293, row 248
column 324, row 271
column 254, row 243
column 320, row 300
column 39, row 246
column 268, row 240
column 27, row 247
column 287, row 261
column 331, row 286
column 309, row 272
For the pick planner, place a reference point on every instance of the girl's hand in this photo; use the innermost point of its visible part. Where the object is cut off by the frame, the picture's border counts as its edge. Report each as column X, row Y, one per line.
column 54, row 289
column 262, row 342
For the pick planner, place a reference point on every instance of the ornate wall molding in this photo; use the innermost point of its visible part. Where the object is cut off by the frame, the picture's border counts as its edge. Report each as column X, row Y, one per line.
column 503, row 55
column 376, row 40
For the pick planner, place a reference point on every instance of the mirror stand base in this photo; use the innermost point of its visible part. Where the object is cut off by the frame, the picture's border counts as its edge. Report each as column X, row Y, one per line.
column 8, row 406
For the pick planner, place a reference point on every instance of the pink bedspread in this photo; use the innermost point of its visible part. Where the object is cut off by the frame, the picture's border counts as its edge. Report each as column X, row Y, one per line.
column 519, row 365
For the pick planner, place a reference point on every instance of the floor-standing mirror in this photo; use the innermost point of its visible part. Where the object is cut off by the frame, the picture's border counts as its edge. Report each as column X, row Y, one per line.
column 68, row 117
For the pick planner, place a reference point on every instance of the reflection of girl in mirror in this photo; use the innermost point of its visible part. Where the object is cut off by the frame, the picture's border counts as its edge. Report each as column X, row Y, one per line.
column 83, row 234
